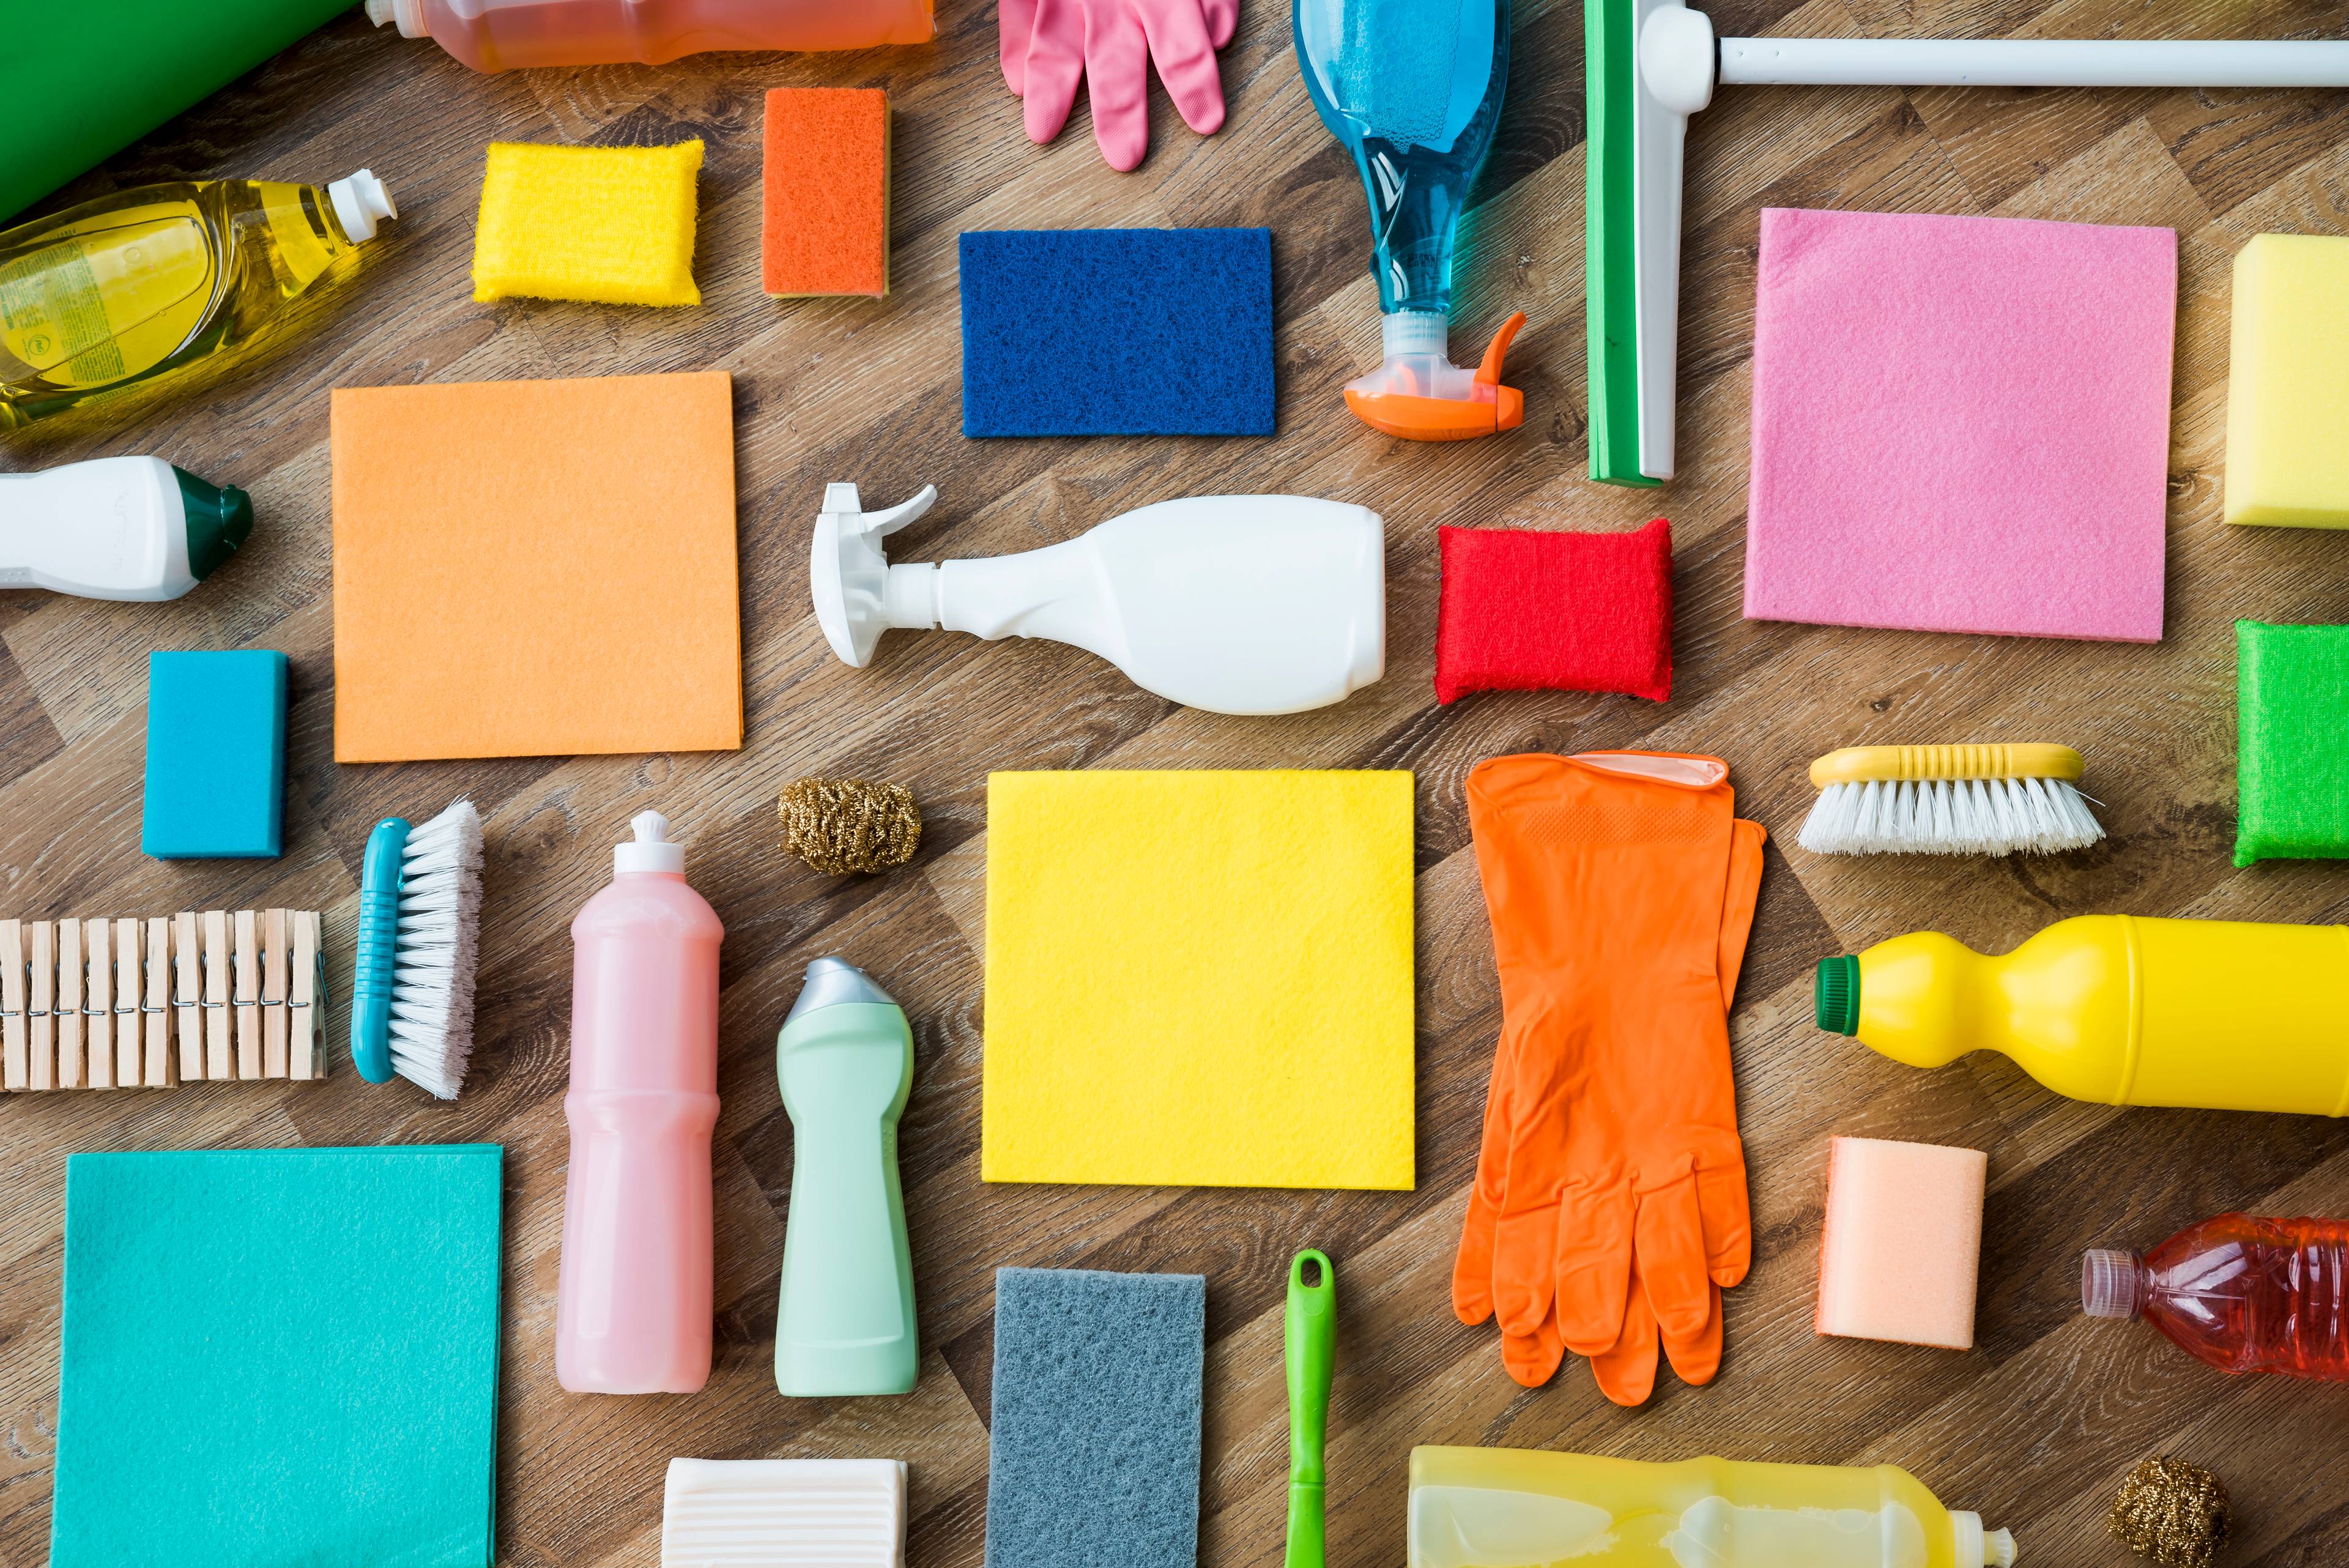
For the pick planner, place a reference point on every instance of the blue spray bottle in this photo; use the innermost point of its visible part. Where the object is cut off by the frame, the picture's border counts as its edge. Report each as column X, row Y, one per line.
column 1413, row 89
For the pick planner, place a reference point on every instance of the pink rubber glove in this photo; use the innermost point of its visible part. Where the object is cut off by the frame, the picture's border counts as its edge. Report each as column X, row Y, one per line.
column 1047, row 45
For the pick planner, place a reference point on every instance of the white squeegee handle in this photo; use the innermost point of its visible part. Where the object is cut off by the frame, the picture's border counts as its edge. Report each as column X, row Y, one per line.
column 2032, row 62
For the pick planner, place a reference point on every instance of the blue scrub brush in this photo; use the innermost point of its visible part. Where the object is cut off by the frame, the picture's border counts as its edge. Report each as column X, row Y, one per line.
column 412, row 986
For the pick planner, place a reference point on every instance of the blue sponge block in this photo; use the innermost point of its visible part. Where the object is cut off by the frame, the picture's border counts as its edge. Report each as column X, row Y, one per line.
column 1117, row 332
column 215, row 756
column 1095, row 1442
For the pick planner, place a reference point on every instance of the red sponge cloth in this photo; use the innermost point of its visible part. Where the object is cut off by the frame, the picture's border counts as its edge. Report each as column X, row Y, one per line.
column 1525, row 611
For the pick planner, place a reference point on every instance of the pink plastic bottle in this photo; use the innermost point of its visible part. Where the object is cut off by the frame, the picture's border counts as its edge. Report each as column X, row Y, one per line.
column 634, row 1314
column 2243, row 1293
column 504, row 35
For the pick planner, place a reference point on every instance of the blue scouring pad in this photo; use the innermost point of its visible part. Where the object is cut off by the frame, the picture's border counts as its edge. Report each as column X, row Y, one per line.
column 1117, row 332
column 215, row 756
column 1094, row 1440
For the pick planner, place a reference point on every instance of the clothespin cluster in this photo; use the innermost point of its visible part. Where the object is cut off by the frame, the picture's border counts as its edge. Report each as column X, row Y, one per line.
column 154, row 1003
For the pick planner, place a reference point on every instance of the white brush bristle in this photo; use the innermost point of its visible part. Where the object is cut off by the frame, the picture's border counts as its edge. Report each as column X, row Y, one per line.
column 432, row 970
column 1949, row 817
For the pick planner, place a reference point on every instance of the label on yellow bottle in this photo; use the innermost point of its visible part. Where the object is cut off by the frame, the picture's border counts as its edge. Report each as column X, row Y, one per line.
column 93, row 308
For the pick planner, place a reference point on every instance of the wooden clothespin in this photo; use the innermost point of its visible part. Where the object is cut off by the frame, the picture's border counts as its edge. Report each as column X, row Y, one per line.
column 188, row 996
column 218, row 1063
column 42, row 1012
column 15, row 1057
column 161, row 1067
column 72, row 978
column 306, row 1009
column 98, row 1006
column 248, row 995
column 274, row 962
column 129, row 972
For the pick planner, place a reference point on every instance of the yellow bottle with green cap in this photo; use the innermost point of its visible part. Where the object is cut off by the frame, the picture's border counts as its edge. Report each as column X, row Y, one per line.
column 2119, row 1010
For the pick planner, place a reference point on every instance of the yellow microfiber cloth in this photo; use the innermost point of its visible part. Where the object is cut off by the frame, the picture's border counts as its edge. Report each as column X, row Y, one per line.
column 612, row 226
column 1199, row 979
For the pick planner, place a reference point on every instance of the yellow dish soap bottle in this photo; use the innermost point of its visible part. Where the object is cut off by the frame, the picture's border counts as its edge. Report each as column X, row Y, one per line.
column 1517, row 1508
column 139, row 284
column 2119, row 1010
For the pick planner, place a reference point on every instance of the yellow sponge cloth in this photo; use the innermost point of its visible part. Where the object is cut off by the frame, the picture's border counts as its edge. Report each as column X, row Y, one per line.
column 2288, row 386
column 1199, row 979
column 613, row 226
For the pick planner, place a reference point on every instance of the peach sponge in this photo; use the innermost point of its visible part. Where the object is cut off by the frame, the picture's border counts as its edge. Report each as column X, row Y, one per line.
column 613, row 226
column 826, row 217
column 1903, row 1243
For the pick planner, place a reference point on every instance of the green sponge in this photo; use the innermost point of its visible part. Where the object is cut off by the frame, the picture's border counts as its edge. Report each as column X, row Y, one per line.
column 2292, row 772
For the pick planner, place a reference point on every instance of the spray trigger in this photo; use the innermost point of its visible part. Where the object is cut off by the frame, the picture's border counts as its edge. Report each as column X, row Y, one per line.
column 848, row 572
column 1420, row 395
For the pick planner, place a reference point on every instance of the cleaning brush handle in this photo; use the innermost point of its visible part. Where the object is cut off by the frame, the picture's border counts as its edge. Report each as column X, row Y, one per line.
column 1309, row 1347
column 1867, row 764
column 373, row 969
column 2036, row 62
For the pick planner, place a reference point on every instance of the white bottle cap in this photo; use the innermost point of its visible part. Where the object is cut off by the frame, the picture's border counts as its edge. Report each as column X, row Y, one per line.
column 408, row 14
column 653, row 850
column 1977, row 1547
column 360, row 201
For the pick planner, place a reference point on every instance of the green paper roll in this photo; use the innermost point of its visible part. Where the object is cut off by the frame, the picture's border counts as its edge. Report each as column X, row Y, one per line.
column 83, row 81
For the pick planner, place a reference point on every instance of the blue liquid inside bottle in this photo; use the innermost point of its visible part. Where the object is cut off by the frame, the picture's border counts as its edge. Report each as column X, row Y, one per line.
column 1413, row 89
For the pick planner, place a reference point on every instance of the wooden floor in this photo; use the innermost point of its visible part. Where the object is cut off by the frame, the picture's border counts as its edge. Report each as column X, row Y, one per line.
column 2034, row 1427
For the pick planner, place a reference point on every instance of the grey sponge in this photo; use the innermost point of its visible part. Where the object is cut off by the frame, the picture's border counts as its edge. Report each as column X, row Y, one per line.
column 1095, row 1449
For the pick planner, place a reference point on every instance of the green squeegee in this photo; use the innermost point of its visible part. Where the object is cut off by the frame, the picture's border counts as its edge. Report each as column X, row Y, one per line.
column 1650, row 64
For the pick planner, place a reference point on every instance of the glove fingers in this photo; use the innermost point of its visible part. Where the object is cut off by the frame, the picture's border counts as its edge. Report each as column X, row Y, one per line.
column 1696, row 1359
column 1015, row 23
column 1670, row 1244
column 1626, row 1370
column 1222, row 19
column 1728, row 1222
column 1055, row 64
column 1117, row 80
column 1524, row 1250
column 1594, row 1267
column 1472, row 1270
column 1180, row 47
column 1532, row 1358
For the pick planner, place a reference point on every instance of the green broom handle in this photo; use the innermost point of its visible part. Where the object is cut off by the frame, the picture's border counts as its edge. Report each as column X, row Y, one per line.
column 1310, row 1341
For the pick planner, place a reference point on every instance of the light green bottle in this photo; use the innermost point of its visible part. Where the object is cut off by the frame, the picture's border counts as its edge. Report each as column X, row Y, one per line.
column 845, row 1062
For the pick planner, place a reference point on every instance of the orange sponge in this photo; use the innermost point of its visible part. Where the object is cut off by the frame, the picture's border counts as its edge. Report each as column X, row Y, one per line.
column 827, row 192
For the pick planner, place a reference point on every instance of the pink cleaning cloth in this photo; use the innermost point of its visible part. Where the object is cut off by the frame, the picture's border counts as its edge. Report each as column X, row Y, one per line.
column 1903, row 1242
column 1960, row 424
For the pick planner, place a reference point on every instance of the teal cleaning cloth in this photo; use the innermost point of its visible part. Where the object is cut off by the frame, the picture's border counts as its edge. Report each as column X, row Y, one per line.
column 2291, row 770
column 280, row 1358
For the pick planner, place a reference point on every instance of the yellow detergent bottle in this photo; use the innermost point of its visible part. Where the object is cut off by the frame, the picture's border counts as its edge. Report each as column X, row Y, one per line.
column 140, row 282
column 1515, row 1508
column 2214, row 1015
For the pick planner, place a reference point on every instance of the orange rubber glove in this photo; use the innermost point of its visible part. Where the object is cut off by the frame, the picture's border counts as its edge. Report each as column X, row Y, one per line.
column 1609, row 1204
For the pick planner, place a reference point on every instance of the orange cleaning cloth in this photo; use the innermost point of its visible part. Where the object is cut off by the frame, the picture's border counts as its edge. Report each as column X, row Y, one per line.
column 536, row 568
column 826, row 224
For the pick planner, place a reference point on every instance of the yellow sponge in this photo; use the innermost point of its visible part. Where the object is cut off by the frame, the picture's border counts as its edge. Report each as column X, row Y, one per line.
column 2288, row 387
column 609, row 224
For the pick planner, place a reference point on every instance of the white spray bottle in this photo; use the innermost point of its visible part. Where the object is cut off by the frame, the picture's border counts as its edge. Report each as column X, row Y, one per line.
column 117, row 528
column 1233, row 604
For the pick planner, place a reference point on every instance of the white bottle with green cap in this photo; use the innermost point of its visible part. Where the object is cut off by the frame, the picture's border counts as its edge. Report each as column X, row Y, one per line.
column 117, row 528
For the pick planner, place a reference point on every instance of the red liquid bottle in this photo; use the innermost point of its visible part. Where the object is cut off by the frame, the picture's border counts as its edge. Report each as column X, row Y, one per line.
column 2243, row 1293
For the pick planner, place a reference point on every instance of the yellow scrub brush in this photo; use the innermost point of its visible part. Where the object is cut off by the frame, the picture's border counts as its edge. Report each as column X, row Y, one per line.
column 1949, row 800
